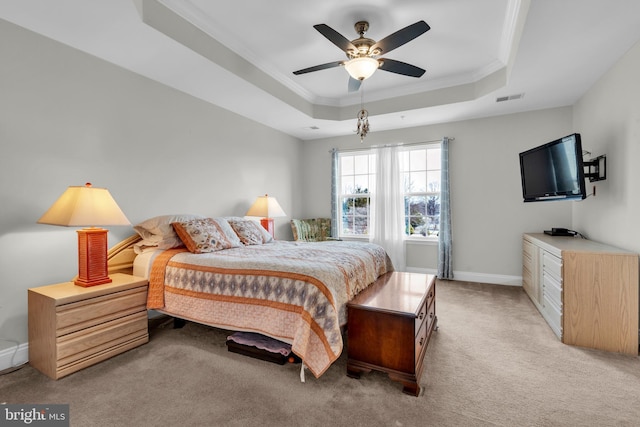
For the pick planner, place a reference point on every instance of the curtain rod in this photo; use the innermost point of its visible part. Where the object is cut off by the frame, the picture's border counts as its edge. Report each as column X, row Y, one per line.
column 399, row 144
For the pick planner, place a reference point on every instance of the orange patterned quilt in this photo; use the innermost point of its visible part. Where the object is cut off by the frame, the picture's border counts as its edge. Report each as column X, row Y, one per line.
column 292, row 291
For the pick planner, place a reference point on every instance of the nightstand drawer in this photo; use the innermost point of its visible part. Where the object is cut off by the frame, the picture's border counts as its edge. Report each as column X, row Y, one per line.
column 94, row 311
column 89, row 341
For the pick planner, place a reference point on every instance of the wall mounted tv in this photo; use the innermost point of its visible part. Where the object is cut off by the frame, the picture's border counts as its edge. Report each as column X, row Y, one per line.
column 554, row 171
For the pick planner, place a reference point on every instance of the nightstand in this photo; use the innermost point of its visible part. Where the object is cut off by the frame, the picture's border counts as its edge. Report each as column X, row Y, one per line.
column 71, row 327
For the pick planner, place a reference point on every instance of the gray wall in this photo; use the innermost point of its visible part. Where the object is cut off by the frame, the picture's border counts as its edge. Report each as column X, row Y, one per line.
column 608, row 117
column 488, row 215
column 67, row 118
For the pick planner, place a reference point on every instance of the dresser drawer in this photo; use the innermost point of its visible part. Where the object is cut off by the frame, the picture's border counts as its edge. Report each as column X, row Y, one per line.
column 551, row 264
column 552, row 290
column 78, row 345
column 553, row 315
column 527, row 254
column 85, row 314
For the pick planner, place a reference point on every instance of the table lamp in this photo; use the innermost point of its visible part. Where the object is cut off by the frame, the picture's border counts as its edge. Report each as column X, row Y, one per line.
column 267, row 208
column 87, row 207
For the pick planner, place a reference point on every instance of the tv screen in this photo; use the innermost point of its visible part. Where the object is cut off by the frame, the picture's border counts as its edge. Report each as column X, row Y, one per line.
column 553, row 171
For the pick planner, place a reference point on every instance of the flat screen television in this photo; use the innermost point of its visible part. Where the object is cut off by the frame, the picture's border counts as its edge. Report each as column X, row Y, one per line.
column 554, row 171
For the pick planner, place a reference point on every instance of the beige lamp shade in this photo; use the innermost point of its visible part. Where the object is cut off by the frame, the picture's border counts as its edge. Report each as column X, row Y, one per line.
column 84, row 207
column 266, row 207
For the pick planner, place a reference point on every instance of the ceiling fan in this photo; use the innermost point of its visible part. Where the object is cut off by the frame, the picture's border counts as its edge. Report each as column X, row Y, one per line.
column 363, row 52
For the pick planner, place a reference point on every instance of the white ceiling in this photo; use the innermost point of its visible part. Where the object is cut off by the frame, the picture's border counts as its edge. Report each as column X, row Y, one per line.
column 240, row 54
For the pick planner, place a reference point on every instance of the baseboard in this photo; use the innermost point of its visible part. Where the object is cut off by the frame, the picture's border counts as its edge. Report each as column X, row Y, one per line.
column 14, row 356
column 465, row 276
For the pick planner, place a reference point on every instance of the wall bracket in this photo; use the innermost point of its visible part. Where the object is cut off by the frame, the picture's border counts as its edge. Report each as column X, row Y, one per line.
column 596, row 169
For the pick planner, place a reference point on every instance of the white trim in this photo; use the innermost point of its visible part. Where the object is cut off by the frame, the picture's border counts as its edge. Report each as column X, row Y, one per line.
column 466, row 276
column 14, row 356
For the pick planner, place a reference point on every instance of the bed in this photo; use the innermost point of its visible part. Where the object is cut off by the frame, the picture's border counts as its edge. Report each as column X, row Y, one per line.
column 229, row 273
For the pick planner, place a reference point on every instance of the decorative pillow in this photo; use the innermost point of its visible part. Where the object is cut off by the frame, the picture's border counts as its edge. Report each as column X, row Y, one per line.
column 250, row 232
column 159, row 232
column 206, row 235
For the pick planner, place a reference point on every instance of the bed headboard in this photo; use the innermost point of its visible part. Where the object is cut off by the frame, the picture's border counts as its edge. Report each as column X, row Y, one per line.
column 120, row 257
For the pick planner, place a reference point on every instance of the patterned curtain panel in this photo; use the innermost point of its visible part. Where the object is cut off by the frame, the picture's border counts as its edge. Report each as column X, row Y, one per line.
column 445, row 262
column 334, row 192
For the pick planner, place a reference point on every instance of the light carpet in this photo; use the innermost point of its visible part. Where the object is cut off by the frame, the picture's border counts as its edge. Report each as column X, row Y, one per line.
column 493, row 362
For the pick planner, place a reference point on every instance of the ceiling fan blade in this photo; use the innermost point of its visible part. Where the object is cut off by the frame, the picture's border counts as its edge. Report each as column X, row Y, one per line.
column 319, row 67
column 400, row 37
column 400, row 67
column 335, row 37
column 354, row 84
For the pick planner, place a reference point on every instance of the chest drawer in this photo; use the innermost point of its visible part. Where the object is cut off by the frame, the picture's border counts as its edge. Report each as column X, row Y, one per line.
column 423, row 315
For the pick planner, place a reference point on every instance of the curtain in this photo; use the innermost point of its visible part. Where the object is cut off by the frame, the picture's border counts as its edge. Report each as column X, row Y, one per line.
column 388, row 206
column 445, row 263
column 334, row 192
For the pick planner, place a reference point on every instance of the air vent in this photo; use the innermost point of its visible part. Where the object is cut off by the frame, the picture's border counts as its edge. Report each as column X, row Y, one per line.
column 510, row 97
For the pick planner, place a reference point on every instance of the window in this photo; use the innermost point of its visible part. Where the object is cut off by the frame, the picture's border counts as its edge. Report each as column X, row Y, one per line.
column 356, row 182
column 420, row 169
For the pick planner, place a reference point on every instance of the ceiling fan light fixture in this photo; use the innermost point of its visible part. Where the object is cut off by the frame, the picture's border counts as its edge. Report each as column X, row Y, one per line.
column 361, row 68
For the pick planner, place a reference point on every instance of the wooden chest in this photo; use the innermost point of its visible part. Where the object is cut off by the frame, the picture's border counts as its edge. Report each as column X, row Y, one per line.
column 389, row 326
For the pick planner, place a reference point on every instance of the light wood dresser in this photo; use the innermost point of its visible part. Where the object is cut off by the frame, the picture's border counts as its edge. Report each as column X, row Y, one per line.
column 586, row 291
column 71, row 327
column 389, row 325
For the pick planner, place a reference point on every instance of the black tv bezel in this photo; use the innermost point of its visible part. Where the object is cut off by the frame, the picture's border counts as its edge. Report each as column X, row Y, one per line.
column 543, row 197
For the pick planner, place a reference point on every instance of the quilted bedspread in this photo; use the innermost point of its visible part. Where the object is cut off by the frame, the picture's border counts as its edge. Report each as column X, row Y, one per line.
column 292, row 291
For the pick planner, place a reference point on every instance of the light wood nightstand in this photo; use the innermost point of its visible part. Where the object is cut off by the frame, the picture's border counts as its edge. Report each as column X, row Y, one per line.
column 71, row 327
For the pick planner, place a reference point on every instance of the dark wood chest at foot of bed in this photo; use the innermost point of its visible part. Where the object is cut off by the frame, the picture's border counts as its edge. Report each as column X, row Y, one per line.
column 389, row 325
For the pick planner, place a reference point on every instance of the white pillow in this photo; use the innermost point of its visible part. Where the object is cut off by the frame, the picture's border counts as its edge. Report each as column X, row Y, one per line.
column 158, row 230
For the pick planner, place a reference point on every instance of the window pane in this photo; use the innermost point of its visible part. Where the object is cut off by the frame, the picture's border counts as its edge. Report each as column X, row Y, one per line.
column 361, row 164
column 361, row 184
column 415, row 211
column 433, row 181
column 348, row 185
column 355, row 215
column 406, row 182
column 418, row 160
column 433, row 158
column 418, row 182
column 433, row 205
column 346, row 165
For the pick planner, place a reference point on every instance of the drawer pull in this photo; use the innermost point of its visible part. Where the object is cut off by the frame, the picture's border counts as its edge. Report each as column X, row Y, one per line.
column 421, row 341
column 421, row 315
column 431, row 315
